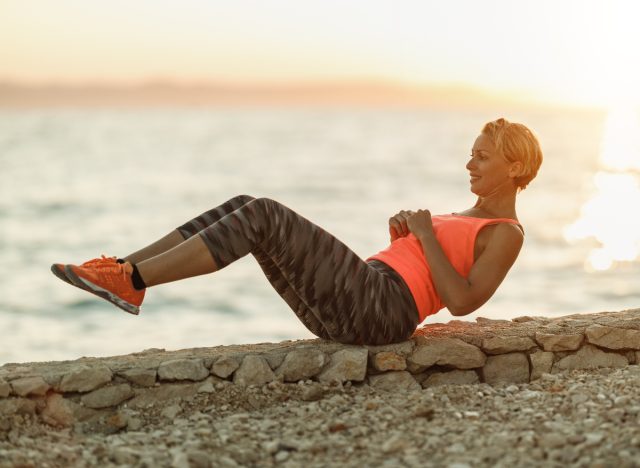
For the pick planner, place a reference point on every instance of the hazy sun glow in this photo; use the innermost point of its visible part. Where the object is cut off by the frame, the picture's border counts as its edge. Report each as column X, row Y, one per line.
column 610, row 216
column 570, row 51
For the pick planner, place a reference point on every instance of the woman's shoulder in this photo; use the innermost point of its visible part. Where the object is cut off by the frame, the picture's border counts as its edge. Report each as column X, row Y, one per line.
column 513, row 230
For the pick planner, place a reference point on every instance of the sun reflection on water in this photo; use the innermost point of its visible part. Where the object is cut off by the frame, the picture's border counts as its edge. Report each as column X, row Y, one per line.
column 610, row 216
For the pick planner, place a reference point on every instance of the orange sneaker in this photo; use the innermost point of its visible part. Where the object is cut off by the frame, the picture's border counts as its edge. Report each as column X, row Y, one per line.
column 58, row 268
column 109, row 280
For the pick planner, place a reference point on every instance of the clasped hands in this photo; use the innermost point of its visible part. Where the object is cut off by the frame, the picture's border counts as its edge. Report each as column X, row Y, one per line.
column 417, row 223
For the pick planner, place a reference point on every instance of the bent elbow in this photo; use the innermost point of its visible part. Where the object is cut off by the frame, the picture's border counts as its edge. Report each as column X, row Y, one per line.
column 460, row 311
column 461, row 308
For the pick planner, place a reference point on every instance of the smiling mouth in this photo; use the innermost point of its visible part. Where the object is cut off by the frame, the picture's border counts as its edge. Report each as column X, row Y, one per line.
column 474, row 178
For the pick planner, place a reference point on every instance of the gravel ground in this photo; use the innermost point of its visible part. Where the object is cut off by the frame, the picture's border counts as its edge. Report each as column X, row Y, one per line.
column 578, row 418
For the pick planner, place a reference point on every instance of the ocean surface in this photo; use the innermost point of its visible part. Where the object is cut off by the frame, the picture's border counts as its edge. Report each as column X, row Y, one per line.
column 78, row 183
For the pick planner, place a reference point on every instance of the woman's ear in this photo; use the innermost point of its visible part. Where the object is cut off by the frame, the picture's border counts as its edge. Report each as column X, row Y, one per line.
column 515, row 169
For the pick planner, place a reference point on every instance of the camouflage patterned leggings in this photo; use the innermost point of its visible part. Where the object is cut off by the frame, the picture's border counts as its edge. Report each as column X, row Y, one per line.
column 335, row 294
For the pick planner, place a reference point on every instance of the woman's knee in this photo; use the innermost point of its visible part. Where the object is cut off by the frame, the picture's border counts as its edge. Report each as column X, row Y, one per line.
column 244, row 199
column 267, row 206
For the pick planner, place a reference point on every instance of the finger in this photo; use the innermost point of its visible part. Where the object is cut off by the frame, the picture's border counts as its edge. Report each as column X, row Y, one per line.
column 396, row 226
column 404, row 222
column 400, row 223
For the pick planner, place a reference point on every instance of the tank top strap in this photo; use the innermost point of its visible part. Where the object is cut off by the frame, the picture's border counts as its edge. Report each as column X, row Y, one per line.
column 481, row 222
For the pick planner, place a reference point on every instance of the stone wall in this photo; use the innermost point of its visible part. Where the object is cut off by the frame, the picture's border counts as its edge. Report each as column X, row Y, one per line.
column 458, row 352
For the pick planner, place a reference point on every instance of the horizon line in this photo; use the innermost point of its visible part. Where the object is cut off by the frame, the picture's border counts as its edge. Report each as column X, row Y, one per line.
column 356, row 91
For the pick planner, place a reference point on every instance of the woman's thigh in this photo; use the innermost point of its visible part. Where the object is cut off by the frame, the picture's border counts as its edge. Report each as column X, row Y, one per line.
column 354, row 301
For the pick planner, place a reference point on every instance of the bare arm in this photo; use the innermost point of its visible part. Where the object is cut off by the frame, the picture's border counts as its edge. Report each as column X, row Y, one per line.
column 464, row 295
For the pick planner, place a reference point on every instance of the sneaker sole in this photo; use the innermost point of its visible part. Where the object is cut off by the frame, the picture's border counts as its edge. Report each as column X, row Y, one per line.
column 58, row 270
column 98, row 291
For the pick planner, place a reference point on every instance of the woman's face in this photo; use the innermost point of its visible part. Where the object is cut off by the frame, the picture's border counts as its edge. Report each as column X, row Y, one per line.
column 490, row 172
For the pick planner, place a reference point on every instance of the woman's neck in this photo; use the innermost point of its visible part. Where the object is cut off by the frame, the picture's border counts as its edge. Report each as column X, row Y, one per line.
column 503, row 207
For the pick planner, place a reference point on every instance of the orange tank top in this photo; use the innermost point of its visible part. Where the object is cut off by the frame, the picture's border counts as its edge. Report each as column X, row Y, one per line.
column 457, row 236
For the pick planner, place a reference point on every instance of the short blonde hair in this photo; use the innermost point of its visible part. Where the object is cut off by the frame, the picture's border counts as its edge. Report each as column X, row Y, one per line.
column 516, row 143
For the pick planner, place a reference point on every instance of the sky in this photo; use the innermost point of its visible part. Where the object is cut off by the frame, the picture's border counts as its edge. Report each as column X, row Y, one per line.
column 584, row 52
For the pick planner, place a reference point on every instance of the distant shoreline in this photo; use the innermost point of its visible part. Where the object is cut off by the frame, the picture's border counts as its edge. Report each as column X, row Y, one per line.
column 360, row 94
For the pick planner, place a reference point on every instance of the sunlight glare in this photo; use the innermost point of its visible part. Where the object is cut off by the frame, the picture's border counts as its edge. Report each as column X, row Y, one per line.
column 621, row 141
column 606, row 217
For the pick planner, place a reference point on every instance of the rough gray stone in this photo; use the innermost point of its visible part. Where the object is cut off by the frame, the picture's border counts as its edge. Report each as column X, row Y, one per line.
column 207, row 385
column 388, row 360
column 552, row 440
column 225, row 366
column 183, row 369
column 134, row 424
column 11, row 406
column 613, row 338
column 140, row 377
column 274, row 359
column 313, row 392
column 83, row 378
column 523, row 318
column 170, row 412
column 454, row 377
column 5, row 389
column 394, row 381
column 60, row 411
column 507, row 344
column 589, row 357
column 125, row 455
column 630, row 355
column 553, row 342
column 506, row 368
column 53, row 377
column 34, row 385
column 541, row 362
column 484, row 321
column 167, row 391
column 107, row 396
column 346, row 364
column 254, row 370
column 301, row 364
column 403, row 348
column 198, row 458
column 446, row 352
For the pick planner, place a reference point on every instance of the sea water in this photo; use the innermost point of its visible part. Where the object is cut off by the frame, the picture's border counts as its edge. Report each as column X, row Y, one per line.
column 78, row 183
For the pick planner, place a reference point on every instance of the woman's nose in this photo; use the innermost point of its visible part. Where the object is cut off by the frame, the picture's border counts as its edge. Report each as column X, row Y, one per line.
column 469, row 165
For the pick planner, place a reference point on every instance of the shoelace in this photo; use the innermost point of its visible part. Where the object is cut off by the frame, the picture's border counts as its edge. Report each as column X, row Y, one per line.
column 102, row 260
column 108, row 263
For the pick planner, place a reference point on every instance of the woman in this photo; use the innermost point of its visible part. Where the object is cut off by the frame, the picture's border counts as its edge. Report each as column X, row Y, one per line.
column 455, row 261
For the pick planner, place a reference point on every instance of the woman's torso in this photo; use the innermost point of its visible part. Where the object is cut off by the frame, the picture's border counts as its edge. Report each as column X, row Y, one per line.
column 487, row 232
column 463, row 238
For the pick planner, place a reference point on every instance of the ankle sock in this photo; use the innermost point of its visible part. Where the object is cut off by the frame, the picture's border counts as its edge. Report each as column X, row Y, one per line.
column 138, row 282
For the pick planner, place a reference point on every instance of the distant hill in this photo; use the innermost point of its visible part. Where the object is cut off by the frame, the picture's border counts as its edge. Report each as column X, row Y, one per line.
column 294, row 94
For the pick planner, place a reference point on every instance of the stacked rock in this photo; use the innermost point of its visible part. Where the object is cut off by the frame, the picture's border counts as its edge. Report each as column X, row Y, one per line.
column 492, row 351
